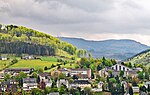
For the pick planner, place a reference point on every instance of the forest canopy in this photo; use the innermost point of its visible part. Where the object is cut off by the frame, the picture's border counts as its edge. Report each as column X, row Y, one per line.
column 19, row 39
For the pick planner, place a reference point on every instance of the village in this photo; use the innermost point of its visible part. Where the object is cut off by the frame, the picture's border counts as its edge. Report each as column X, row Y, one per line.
column 117, row 79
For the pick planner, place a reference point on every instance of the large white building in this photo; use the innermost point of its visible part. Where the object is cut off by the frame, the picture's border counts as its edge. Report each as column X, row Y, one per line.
column 120, row 67
column 29, row 83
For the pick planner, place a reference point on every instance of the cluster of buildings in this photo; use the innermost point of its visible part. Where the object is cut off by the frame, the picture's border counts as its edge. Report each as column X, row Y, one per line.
column 119, row 67
column 81, row 78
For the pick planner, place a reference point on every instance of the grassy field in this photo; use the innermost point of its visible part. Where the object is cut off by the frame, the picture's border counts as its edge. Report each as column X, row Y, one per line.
column 44, row 61
column 63, row 66
column 49, row 59
column 4, row 64
column 32, row 64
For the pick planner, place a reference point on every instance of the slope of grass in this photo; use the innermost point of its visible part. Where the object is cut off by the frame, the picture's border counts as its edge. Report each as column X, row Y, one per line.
column 49, row 59
column 4, row 64
column 72, row 66
column 32, row 64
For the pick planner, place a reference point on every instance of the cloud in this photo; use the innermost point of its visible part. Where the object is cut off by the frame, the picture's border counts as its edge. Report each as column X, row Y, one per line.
column 89, row 19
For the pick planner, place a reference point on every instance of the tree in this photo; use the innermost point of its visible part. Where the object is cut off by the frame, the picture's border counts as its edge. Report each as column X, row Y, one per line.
column 37, row 91
column 47, row 90
column 122, row 90
column 148, row 88
column 130, row 90
column 141, row 75
column 90, row 55
column 87, row 90
column 62, row 89
column 34, row 75
column 14, row 61
column 62, row 76
column 40, row 70
column 112, row 80
column 45, row 68
column 130, row 65
column 121, row 73
column 7, row 76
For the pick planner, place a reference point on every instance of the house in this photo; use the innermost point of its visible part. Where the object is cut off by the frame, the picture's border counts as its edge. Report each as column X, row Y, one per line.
column 28, row 57
column 100, row 84
column 29, row 83
column 125, row 84
column 9, row 85
column 104, row 71
column 132, row 73
column 116, row 71
column 4, row 58
column 120, row 67
column 80, row 83
column 135, row 89
column 62, row 82
column 138, row 69
column 81, row 72
column 2, row 75
column 14, row 71
column 65, row 71
column 146, row 84
column 46, row 77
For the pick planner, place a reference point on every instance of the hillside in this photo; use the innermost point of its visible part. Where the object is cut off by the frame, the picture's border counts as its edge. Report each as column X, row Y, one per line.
column 141, row 58
column 21, row 40
column 118, row 49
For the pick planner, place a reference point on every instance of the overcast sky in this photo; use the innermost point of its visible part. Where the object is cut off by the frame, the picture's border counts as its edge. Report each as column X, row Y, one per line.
column 88, row 19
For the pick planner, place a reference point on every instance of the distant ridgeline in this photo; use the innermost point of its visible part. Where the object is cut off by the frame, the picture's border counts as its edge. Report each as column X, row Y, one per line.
column 22, row 40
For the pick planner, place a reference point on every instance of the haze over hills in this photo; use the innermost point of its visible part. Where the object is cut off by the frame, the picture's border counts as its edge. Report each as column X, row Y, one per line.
column 118, row 49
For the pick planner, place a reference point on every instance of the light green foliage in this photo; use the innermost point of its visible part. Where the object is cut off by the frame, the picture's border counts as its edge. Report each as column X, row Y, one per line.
column 15, row 34
column 112, row 80
column 7, row 76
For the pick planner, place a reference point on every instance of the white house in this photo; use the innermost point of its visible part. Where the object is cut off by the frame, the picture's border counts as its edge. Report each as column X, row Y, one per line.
column 62, row 82
column 100, row 84
column 83, row 72
column 120, row 67
column 29, row 83
column 46, row 77
column 80, row 83
column 146, row 84
column 3, row 58
column 14, row 71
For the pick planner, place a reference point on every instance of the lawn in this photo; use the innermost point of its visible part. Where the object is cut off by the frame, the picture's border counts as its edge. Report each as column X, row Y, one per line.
column 4, row 64
column 49, row 59
column 36, row 64
column 63, row 66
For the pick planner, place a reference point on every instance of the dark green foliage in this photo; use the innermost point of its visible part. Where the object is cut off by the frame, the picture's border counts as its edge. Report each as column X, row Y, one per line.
column 14, row 61
column 19, row 40
column 130, row 91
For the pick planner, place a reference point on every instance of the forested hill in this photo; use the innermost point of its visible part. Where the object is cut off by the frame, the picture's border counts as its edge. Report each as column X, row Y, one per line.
column 141, row 58
column 22, row 40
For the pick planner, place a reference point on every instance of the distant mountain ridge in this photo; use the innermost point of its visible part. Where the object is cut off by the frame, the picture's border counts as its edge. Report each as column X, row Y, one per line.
column 118, row 49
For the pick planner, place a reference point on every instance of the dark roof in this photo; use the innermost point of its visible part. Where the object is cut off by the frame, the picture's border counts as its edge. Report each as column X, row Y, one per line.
column 44, row 74
column 79, row 69
column 81, row 82
column 29, row 80
column 18, row 69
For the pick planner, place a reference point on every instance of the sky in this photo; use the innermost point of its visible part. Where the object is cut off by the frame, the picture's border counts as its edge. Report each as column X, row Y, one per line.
column 88, row 19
